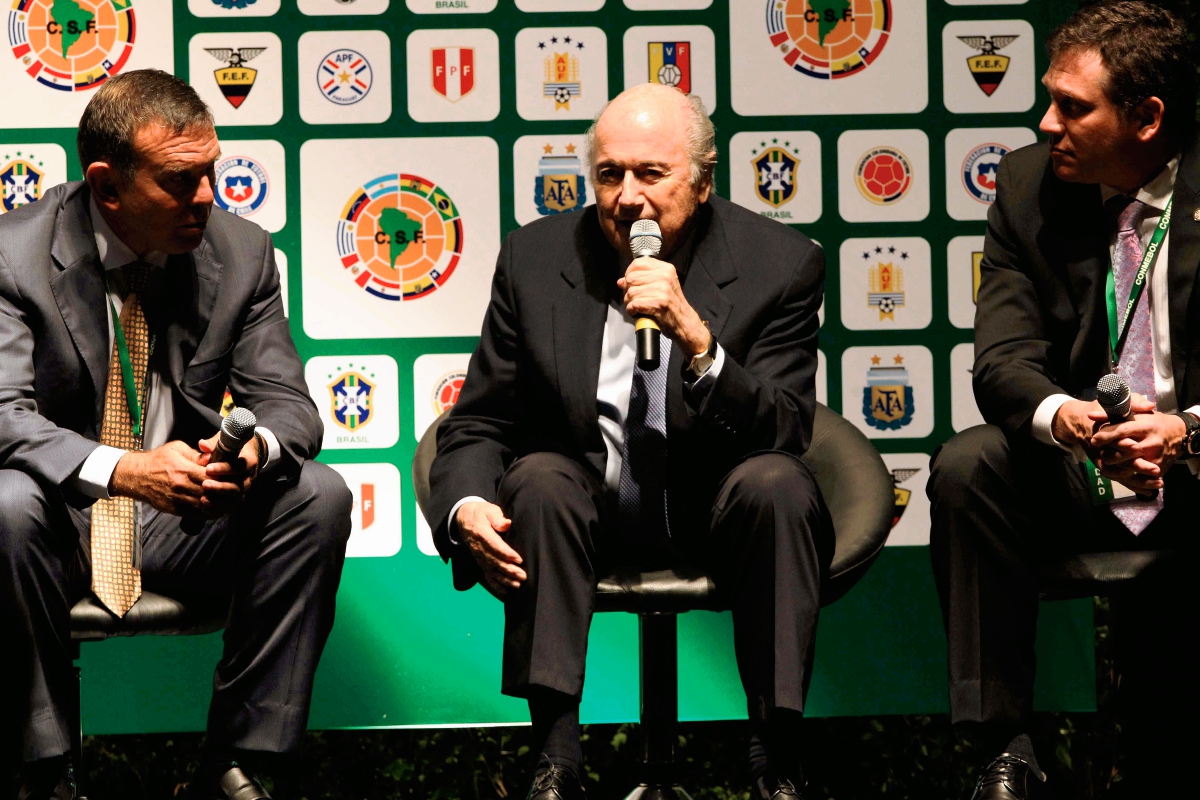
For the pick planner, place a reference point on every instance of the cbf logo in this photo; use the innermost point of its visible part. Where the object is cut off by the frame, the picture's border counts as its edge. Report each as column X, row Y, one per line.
column 21, row 180
column 447, row 390
column 988, row 68
column 979, row 171
column 883, row 175
column 350, row 399
column 344, row 77
column 775, row 173
column 71, row 45
column 242, row 185
column 885, row 281
column 887, row 397
column 670, row 64
column 400, row 237
column 561, row 72
column 828, row 39
column 559, row 185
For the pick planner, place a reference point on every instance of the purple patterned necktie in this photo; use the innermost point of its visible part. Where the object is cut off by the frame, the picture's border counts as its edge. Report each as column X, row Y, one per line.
column 1137, row 358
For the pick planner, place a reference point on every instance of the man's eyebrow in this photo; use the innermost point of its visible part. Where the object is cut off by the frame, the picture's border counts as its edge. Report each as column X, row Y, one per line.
column 607, row 162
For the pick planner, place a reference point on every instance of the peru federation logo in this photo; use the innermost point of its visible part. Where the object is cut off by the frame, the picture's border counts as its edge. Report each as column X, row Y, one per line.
column 887, row 397
column 883, row 175
column 350, row 398
column 670, row 64
column 988, row 68
column 21, row 181
column 885, row 282
column 446, row 391
column 979, row 171
column 453, row 71
column 559, row 185
column 344, row 77
column 400, row 237
column 71, row 45
column 235, row 80
column 829, row 39
column 561, row 70
column 242, row 185
column 775, row 174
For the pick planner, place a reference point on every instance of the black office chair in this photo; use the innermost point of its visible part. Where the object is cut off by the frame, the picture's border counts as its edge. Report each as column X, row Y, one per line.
column 858, row 491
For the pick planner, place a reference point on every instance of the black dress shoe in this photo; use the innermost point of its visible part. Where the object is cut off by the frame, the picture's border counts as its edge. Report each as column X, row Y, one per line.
column 769, row 788
column 1008, row 777
column 233, row 784
column 554, row 782
column 51, row 779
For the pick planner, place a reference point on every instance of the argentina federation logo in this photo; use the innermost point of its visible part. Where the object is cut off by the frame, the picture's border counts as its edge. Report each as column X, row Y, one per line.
column 829, row 39
column 670, row 63
column 979, row 171
column 887, row 397
column 350, row 398
column 242, row 185
column 344, row 77
column 558, row 186
column 399, row 237
column 71, row 45
column 446, row 391
column 21, row 179
column 883, row 175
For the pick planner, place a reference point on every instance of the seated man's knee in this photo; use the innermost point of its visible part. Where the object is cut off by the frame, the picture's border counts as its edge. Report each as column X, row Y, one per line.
column 956, row 465
column 22, row 512
column 540, row 477
column 331, row 500
column 770, row 479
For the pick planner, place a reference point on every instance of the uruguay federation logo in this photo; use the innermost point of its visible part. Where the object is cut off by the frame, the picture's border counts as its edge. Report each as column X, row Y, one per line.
column 400, row 237
column 242, row 185
column 71, row 45
column 561, row 72
column 344, row 77
column 21, row 181
column 887, row 397
column 979, row 171
column 350, row 397
column 885, row 281
column 829, row 39
column 559, row 185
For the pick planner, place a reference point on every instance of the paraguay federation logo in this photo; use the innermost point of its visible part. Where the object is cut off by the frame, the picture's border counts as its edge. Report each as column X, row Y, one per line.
column 885, row 281
column 71, row 45
column 887, row 397
column 21, row 180
column 400, row 237
column 883, row 175
column 235, row 79
column 446, row 391
column 988, row 68
column 452, row 70
column 350, row 398
column 670, row 63
column 344, row 77
column 979, row 171
column 559, row 185
column 561, row 73
column 775, row 173
column 829, row 39
column 242, row 185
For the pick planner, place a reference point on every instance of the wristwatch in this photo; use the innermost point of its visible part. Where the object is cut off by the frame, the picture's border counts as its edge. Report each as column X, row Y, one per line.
column 702, row 363
column 1191, row 438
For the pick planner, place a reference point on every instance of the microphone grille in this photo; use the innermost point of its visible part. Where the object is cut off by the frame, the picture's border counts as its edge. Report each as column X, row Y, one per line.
column 1112, row 391
column 645, row 238
column 240, row 424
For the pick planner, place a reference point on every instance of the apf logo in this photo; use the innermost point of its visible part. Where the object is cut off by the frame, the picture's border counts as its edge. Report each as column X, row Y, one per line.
column 887, row 397
column 829, row 39
column 71, row 45
column 242, row 185
column 400, row 237
column 670, row 63
column 559, row 186
column 883, row 175
column 344, row 77
column 979, row 171
column 235, row 79
column 453, row 71
column 21, row 179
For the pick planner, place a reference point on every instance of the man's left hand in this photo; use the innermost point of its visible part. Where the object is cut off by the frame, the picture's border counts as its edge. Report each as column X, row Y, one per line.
column 1139, row 452
column 226, row 482
column 652, row 290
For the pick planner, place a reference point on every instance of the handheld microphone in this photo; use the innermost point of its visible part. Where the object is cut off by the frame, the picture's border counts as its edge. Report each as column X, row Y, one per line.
column 1113, row 395
column 645, row 239
column 236, row 432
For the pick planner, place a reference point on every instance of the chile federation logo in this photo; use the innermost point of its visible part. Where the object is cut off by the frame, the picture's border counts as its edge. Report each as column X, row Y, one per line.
column 71, row 45
column 979, row 171
column 242, row 185
column 829, row 39
column 400, row 237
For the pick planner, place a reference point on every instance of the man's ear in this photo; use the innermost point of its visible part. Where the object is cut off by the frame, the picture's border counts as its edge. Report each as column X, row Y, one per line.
column 105, row 183
column 1148, row 117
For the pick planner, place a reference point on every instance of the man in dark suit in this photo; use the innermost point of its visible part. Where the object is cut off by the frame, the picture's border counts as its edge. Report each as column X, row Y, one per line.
column 1013, row 494
column 562, row 459
column 127, row 306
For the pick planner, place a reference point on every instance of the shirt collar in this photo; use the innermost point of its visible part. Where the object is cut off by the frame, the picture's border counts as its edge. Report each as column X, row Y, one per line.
column 113, row 252
column 1155, row 193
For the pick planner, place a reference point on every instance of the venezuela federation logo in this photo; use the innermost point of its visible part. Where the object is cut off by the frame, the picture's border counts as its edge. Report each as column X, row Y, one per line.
column 242, row 185
column 400, row 237
column 979, row 171
column 670, row 63
column 883, row 175
column 829, row 39
column 71, row 45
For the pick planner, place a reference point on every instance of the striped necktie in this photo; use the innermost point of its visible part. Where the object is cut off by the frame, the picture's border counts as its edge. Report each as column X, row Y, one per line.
column 642, row 493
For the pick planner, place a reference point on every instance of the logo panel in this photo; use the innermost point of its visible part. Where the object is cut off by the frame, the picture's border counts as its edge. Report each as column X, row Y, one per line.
column 233, row 8
column 375, row 519
column 681, row 56
column 973, row 160
column 72, row 46
column 887, row 392
column 829, row 40
column 988, row 66
column 777, row 174
column 964, row 412
column 345, row 77
column 239, row 76
column 963, row 257
column 242, row 186
column 562, row 73
column 910, row 517
column 883, row 175
column 453, row 75
column 251, row 181
column 886, row 283
column 437, row 381
column 358, row 397
column 549, row 176
column 27, row 171
column 340, row 8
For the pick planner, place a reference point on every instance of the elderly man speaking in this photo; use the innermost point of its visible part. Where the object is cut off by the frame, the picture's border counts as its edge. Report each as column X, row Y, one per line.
column 564, row 457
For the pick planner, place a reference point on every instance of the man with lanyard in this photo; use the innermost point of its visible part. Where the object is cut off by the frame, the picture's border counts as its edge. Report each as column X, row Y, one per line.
column 1089, row 264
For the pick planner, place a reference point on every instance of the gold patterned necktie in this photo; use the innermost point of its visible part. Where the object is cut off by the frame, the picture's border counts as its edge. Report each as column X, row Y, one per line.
column 116, row 578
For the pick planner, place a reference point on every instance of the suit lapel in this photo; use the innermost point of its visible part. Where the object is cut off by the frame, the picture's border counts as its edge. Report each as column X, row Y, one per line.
column 185, row 303
column 1183, row 259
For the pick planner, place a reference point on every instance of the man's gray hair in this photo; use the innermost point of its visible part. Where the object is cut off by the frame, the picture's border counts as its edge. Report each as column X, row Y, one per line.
column 124, row 105
column 701, row 142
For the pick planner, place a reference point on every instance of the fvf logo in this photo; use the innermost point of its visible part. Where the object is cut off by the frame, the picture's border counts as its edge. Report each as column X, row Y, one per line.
column 453, row 72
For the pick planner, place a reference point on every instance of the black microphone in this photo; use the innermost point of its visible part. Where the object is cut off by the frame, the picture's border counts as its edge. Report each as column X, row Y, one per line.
column 645, row 239
column 236, row 432
column 1113, row 395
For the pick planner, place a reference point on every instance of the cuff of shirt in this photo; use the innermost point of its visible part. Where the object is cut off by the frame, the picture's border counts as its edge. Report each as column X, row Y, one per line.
column 451, row 525
column 273, row 447
column 698, row 389
column 1192, row 462
column 1043, row 425
column 96, row 472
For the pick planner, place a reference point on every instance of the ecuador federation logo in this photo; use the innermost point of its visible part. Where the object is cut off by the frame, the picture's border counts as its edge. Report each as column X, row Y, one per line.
column 979, row 171
column 242, row 185
column 21, row 178
column 670, row 64
column 452, row 70
column 235, row 79
column 988, row 68
column 344, row 77
column 775, row 173
column 558, row 186
column 561, row 72
column 887, row 397
column 883, row 175
column 829, row 39
column 885, row 281
column 71, row 45
column 350, row 398
column 400, row 237
column 902, row 495
column 446, row 391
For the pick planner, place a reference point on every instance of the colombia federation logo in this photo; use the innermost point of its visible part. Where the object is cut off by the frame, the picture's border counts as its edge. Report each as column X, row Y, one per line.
column 400, row 237
column 446, row 391
column 71, row 45
column 883, row 175
column 829, row 39
column 242, row 185
column 979, row 171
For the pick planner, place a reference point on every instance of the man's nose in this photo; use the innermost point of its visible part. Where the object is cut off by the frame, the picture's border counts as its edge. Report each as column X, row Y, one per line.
column 1051, row 123
column 205, row 194
column 631, row 190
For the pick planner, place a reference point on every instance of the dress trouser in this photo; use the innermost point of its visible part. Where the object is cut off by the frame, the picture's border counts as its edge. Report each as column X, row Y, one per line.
column 768, row 549
column 279, row 555
column 999, row 509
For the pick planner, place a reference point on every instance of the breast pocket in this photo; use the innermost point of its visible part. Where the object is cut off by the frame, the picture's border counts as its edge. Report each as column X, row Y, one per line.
column 201, row 375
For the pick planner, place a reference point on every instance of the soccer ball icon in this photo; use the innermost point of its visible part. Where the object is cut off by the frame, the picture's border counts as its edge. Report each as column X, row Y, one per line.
column 884, row 178
column 887, row 305
column 669, row 75
column 562, row 95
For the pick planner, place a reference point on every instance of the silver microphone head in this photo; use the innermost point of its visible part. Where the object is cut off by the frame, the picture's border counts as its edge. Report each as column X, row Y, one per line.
column 1113, row 395
column 645, row 239
column 239, row 426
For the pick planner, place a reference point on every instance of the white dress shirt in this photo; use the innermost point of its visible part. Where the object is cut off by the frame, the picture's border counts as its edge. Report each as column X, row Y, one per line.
column 94, row 474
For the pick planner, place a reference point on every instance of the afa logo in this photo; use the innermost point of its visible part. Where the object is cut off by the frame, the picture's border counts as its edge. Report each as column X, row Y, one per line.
column 888, row 397
column 561, row 81
column 775, row 172
column 400, row 237
column 559, row 185
column 446, row 391
column 452, row 70
column 350, row 400
column 670, row 64
column 344, row 77
column 885, row 282
column 235, row 79
column 902, row 494
column 242, row 185
column 21, row 180
column 883, row 175
column 829, row 39
column 988, row 68
column 71, row 45
column 979, row 171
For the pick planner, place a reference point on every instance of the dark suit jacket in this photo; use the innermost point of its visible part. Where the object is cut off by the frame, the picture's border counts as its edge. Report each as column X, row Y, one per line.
column 217, row 314
column 1041, row 324
column 531, row 385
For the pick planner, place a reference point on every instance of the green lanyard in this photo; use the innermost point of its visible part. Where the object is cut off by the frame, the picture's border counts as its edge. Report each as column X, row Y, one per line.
column 131, row 393
column 1117, row 331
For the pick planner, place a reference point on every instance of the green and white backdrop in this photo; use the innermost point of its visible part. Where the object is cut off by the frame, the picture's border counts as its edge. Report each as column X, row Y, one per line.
column 388, row 147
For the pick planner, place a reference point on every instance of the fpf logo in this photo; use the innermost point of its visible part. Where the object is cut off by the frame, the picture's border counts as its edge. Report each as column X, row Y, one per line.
column 829, row 39
column 71, row 45
column 453, row 71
